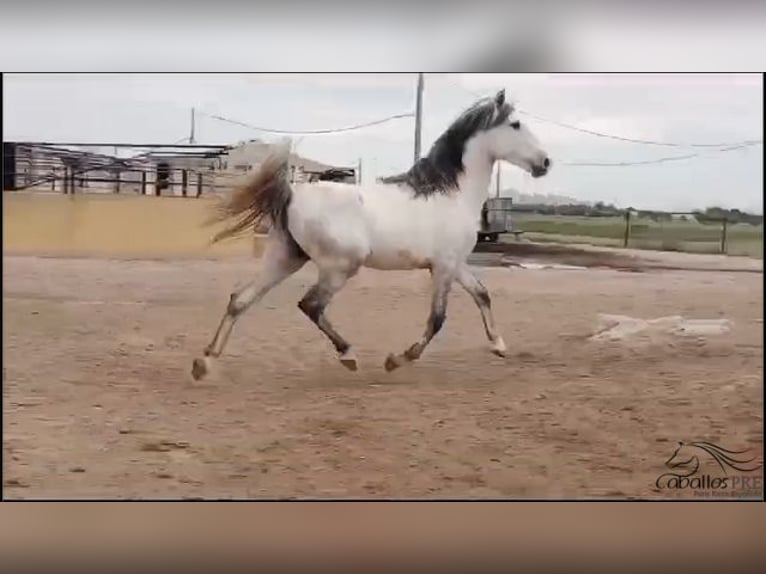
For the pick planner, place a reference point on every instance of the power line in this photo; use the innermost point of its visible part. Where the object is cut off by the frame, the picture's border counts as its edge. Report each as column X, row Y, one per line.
column 628, row 163
column 309, row 132
column 634, row 140
column 656, row 160
column 613, row 136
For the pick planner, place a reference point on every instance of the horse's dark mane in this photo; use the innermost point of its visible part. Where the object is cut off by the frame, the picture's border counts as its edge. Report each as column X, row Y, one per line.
column 439, row 170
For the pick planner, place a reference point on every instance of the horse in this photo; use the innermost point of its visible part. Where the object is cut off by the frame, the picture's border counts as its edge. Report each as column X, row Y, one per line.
column 425, row 218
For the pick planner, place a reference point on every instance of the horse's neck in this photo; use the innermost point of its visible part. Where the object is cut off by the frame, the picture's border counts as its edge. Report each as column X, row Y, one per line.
column 474, row 181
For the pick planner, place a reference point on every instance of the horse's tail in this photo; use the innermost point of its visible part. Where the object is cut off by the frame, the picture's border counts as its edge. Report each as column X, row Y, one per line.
column 265, row 196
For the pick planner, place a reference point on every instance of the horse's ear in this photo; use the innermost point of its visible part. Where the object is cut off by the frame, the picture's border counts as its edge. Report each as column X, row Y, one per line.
column 500, row 98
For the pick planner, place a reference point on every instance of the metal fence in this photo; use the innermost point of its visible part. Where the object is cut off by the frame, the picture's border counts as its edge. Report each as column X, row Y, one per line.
column 682, row 232
column 151, row 169
column 669, row 232
column 143, row 169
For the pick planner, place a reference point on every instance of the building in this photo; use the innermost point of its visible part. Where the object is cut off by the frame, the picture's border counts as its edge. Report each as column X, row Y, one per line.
column 174, row 170
column 47, row 167
column 689, row 217
column 247, row 156
column 75, row 168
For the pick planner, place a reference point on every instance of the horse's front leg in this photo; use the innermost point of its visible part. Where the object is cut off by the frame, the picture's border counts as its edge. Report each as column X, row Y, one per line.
column 441, row 282
column 480, row 296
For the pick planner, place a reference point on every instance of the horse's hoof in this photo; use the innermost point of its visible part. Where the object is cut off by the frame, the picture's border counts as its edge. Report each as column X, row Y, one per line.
column 200, row 368
column 391, row 363
column 498, row 348
column 348, row 360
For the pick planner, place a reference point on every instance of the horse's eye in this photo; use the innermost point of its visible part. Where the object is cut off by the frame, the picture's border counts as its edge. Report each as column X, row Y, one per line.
column 516, row 125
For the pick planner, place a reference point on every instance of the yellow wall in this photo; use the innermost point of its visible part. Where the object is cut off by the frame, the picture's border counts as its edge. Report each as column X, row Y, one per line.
column 113, row 225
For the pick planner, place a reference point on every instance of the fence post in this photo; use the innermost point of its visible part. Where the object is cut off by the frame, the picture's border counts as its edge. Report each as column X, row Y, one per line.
column 143, row 183
column 724, row 245
column 117, row 182
column 627, row 229
column 68, row 180
column 184, row 181
column 199, row 184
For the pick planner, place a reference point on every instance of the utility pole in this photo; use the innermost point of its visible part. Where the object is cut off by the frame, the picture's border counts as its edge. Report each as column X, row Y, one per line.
column 418, row 115
column 191, row 134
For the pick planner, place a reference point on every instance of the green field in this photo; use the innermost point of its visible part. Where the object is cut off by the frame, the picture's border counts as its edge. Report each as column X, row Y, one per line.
column 687, row 236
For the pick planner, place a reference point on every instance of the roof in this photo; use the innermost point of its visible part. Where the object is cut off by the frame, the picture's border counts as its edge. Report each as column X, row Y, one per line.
column 255, row 151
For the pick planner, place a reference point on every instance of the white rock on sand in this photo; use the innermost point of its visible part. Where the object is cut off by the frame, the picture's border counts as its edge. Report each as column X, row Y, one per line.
column 617, row 327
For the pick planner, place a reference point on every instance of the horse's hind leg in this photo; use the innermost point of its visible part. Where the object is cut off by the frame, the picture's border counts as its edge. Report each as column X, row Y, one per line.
column 317, row 299
column 281, row 258
column 480, row 295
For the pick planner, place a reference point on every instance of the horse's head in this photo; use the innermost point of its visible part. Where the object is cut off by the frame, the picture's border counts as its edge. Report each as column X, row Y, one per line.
column 683, row 458
column 511, row 140
column 484, row 133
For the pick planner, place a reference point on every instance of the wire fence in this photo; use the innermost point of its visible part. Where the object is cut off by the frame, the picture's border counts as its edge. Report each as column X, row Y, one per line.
column 47, row 168
column 690, row 232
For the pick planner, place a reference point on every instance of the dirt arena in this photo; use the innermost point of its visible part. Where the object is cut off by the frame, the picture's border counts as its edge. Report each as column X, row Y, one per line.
column 98, row 401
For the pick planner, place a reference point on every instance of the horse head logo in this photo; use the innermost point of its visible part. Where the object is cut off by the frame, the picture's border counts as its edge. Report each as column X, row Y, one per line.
column 685, row 460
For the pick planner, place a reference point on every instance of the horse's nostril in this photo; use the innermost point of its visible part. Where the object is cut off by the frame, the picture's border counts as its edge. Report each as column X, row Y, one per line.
column 546, row 163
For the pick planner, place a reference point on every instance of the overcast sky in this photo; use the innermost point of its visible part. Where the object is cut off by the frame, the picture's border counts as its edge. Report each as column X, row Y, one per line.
column 687, row 109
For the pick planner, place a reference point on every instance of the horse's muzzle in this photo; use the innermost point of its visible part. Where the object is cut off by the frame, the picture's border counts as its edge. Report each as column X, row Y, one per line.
column 539, row 170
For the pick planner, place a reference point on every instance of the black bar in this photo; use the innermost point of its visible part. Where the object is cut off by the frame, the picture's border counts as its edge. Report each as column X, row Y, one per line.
column 9, row 166
column 184, row 181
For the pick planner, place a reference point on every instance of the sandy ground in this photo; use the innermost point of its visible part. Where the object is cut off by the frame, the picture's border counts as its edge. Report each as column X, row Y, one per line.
column 98, row 401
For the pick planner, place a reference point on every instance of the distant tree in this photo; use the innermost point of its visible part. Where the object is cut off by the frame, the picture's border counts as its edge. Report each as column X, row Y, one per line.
column 717, row 214
column 572, row 209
